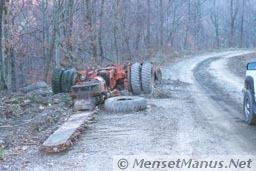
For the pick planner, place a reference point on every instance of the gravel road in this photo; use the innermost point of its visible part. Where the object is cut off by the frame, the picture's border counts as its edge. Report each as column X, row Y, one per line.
column 201, row 114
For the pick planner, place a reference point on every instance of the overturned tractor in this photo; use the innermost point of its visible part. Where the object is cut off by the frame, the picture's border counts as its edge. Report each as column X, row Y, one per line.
column 91, row 87
column 100, row 84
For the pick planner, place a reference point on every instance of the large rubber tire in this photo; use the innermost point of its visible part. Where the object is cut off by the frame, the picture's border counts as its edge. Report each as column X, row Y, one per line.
column 136, row 78
column 129, row 80
column 250, row 117
column 125, row 104
column 158, row 75
column 56, row 81
column 147, row 77
column 67, row 80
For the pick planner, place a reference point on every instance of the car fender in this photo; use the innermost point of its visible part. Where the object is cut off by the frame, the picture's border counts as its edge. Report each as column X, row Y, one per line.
column 249, row 84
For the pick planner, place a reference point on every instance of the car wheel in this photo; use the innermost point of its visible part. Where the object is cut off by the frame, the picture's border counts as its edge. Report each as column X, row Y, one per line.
column 248, row 105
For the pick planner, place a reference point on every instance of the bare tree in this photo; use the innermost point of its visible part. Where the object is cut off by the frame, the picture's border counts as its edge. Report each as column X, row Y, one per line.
column 45, row 35
column 148, row 37
column 58, row 7
column 242, row 24
column 188, row 22
column 233, row 17
column 161, row 22
column 175, row 19
column 214, row 16
column 101, row 51
column 116, row 7
column 2, row 43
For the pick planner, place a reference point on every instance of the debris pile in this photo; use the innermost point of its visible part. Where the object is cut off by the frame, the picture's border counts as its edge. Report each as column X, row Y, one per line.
column 29, row 116
column 32, row 100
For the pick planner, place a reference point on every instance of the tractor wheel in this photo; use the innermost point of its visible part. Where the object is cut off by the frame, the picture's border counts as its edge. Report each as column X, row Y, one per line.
column 158, row 75
column 136, row 78
column 250, row 117
column 67, row 80
column 56, row 81
column 125, row 104
column 147, row 77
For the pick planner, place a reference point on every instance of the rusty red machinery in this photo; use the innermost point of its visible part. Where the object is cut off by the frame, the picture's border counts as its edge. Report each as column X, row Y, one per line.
column 102, row 83
column 94, row 86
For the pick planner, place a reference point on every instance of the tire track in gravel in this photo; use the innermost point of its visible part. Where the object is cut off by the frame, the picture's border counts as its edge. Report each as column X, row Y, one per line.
column 222, row 94
column 222, row 90
column 194, row 137
column 213, row 130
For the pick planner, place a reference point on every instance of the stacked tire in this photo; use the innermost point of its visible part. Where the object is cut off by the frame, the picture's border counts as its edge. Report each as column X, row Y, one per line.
column 135, row 79
column 67, row 80
column 56, row 80
column 62, row 80
column 142, row 78
column 147, row 77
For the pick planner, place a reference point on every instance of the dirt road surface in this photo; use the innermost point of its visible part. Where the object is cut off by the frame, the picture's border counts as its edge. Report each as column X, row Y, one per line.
column 200, row 114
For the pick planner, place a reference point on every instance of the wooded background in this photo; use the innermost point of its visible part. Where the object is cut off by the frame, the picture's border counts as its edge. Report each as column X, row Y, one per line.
column 39, row 35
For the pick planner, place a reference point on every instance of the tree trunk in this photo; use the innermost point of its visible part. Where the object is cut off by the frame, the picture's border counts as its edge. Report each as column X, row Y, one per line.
column 172, row 31
column 185, row 45
column 67, row 31
column 116, row 29
column 215, row 21
column 101, row 52
column 92, row 43
column 161, row 23
column 231, row 24
column 57, row 30
column 11, row 74
column 148, row 39
column 233, row 16
column 125, row 36
column 3, row 53
column 47, row 58
column 242, row 25
column 1, row 25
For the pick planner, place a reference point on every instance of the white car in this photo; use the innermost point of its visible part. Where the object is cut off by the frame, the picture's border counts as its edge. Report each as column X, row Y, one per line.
column 249, row 103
